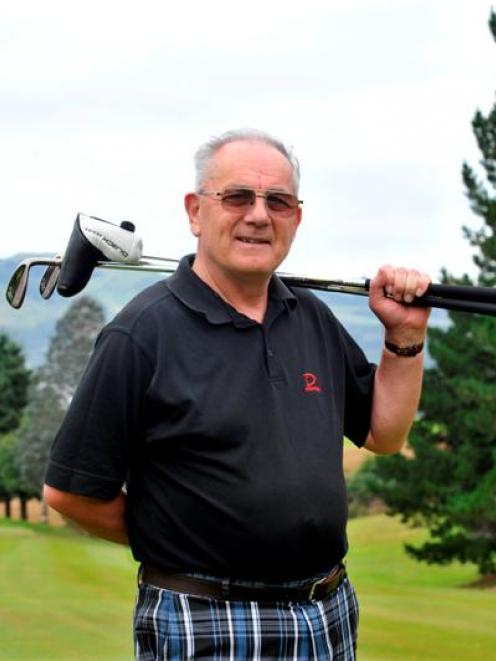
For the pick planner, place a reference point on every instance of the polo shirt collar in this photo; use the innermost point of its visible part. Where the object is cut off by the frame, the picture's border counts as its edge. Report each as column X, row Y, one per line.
column 195, row 294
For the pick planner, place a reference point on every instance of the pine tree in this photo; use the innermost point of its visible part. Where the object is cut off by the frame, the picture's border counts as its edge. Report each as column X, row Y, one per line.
column 53, row 386
column 70, row 347
column 14, row 381
column 481, row 201
column 9, row 471
column 449, row 484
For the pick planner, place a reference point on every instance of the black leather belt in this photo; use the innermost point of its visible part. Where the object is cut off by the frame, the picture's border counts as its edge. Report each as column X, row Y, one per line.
column 232, row 591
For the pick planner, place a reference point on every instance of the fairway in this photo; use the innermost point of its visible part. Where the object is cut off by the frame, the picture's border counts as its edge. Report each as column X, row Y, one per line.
column 410, row 610
column 64, row 596
column 70, row 597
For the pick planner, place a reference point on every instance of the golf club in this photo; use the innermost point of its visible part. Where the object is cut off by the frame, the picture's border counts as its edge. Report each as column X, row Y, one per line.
column 18, row 283
column 481, row 300
column 460, row 298
column 92, row 240
column 49, row 280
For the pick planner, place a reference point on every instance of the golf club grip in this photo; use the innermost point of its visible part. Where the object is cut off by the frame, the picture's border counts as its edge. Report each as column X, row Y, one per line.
column 463, row 293
column 457, row 305
column 437, row 293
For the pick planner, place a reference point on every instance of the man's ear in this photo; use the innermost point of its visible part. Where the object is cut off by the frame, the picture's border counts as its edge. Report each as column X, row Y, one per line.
column 192, row 206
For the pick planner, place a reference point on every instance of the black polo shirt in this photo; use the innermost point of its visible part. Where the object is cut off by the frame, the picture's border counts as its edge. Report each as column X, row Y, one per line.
column 228, row 433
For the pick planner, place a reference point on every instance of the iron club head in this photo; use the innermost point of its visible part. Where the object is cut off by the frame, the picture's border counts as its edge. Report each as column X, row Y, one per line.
column 49, row 280
column 18, row 283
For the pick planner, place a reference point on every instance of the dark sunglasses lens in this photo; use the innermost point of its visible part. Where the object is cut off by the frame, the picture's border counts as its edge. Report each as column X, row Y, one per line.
column 238, row 198
column 281, row 202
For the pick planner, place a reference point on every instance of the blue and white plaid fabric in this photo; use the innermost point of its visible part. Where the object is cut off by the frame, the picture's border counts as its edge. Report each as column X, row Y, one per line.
column 174, row 626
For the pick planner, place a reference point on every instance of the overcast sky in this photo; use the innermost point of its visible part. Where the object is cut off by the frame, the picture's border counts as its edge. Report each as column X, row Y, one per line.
column 103, row 104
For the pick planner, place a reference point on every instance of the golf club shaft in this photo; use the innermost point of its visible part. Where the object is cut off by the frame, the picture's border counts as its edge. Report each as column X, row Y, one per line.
column 435, row 296
column 480, row 300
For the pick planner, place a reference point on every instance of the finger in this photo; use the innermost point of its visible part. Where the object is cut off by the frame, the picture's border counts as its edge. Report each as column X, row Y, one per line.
column 423, row 282
column 399, row 284
column 384, row 279
column 411, row 285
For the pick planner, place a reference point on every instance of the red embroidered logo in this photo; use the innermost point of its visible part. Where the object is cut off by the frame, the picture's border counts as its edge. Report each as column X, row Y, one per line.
column 311, row 384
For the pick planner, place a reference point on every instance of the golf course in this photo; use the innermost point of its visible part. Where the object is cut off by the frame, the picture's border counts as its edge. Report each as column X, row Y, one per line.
column 65, row 596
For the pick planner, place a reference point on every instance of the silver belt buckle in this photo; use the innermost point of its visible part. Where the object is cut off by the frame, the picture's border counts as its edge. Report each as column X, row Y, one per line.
column 314, row 586
column 338, row 569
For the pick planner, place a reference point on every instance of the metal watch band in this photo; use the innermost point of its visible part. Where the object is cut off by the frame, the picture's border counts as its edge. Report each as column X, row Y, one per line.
column 405, row 352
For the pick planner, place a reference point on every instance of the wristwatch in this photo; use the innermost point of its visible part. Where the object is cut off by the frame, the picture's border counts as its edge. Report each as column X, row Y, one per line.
column 405, row 352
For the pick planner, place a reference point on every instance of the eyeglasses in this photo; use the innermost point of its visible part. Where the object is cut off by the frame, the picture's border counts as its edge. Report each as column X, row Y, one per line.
column 239, row 199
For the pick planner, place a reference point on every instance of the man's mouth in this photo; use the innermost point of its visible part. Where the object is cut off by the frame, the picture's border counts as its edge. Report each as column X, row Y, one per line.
column 245, row 239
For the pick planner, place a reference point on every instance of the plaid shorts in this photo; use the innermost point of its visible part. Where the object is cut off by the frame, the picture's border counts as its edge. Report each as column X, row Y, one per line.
column 175, row 626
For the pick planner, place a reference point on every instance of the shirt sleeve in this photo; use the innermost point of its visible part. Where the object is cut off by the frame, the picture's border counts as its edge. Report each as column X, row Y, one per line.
column 93, row 447
column 359, row 390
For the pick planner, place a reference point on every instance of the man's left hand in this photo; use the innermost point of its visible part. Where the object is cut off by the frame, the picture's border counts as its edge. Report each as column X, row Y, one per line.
column 391, row 291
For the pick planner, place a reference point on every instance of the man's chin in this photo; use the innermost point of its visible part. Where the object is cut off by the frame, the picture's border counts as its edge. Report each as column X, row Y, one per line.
column 262, row 269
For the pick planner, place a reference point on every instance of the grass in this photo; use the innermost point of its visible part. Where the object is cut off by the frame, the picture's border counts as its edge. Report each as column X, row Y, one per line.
column 71, row 597
column 63, row 596
column 410, row 610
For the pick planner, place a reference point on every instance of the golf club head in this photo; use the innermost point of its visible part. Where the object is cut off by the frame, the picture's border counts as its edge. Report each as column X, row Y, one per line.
column 94, row 240
column 18, row 284
column 49, row 280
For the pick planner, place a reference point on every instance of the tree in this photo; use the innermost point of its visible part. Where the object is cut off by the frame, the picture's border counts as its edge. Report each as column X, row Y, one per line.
column 9, row 470
column 449, row 482
column 14, row 381
column 53, row 386
column 70, row 347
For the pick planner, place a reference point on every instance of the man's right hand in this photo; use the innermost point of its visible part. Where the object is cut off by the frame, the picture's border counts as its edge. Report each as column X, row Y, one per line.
column 101, row 518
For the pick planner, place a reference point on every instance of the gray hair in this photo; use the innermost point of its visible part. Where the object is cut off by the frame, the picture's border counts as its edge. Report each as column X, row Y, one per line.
column 206, row 152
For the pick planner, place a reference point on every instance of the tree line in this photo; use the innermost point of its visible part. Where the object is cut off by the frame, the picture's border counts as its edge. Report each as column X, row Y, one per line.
column 33, row 403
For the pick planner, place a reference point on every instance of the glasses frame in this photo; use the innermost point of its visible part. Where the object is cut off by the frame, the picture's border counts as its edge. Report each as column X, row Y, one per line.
column 219, row 195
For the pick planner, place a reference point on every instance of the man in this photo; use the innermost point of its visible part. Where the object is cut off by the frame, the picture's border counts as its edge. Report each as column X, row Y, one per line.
column 220, row 398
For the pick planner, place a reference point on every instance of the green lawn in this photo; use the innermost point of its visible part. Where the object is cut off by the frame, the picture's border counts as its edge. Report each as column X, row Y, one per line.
column 63, row 596
column 410, row 610
column 68, row 597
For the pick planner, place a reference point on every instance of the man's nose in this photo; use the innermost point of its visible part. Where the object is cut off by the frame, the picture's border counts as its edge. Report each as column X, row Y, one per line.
column 257, row 212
